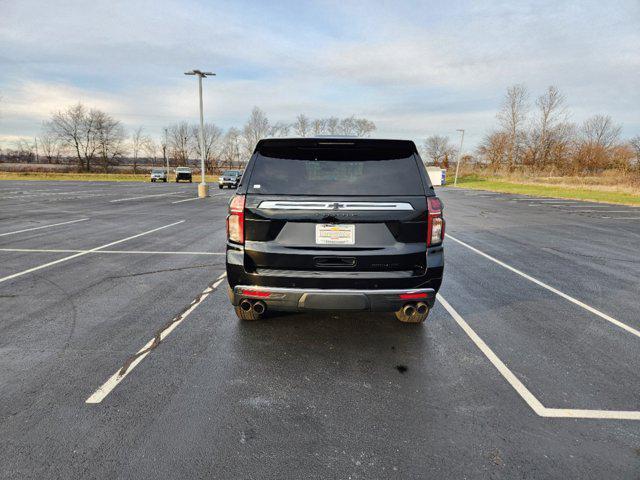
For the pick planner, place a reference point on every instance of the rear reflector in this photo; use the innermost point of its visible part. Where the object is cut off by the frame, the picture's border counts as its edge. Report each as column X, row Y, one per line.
column 255, row 293
column 413, row 296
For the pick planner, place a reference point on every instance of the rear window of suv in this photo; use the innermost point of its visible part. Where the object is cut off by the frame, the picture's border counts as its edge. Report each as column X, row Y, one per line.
column 335, row 172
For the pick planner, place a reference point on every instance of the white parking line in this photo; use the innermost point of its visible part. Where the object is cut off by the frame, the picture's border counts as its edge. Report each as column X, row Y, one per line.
column 523, row 391
column 122, row 373
column 588, row 206
column 559, row 202
column 553, row 204
column 606, row 211
column 187, row 200
column 589, row 308
column 146, row 252
column 144, row 196
column 84, row 252
column 43, row 226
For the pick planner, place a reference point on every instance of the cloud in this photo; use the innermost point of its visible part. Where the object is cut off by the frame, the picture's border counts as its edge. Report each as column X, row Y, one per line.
column 415, row 68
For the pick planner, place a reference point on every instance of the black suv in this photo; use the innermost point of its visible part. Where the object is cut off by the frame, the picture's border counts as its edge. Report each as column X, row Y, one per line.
column 184, row 173
column 335, row 224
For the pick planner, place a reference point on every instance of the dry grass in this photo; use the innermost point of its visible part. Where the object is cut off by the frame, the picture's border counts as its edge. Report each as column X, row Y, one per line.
column 610, row 187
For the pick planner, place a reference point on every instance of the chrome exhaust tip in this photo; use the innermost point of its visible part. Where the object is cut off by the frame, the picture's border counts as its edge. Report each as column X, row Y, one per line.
column 245, row 305
column 409, row 310
column 422, row 308
column 259, row 307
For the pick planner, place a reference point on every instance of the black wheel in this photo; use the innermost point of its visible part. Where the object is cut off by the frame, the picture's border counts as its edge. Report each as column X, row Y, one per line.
column 248, row 315
column 153, row 180
column 165, row 180
column 220, row 187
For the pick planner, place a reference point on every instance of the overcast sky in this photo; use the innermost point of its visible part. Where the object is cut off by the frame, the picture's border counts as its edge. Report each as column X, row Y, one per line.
column 414, row 68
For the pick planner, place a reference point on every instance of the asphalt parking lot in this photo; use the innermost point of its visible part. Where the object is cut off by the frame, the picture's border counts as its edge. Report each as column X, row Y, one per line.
column 121, row 356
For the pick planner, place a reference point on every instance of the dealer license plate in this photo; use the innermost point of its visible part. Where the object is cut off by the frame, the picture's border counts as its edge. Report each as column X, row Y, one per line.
column 332, row 234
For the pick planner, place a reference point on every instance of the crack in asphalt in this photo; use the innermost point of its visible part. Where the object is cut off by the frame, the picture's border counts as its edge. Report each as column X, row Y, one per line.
column 137, row 274
column 595, row 257
column 157, row 337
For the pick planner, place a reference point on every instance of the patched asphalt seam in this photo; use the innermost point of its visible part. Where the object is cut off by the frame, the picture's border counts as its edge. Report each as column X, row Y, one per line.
column 157, row 337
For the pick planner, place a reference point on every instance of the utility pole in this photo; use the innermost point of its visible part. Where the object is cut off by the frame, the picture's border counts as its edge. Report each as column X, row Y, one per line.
column 203, row 188
column 165, row 141
column 455, row 181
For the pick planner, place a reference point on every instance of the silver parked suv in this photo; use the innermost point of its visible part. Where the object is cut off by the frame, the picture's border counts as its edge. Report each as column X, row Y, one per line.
column 159, row 175
column 230, row 178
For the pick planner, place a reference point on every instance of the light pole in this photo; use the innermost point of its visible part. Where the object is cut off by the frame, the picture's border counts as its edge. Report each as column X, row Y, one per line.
column 455, row 180
column 203, row 189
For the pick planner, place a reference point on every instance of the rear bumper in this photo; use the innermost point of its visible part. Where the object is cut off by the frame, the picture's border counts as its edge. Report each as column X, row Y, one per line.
column 298, row 299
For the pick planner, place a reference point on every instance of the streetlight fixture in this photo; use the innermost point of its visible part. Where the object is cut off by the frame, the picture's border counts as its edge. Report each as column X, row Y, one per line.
column 455, row 180
column 203, row 188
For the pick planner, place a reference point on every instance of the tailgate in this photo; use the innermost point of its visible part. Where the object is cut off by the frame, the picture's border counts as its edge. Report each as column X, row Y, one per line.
column 361, row 234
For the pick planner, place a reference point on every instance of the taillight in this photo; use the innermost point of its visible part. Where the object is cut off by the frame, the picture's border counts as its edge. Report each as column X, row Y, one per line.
column 435, row 222
column 235, row 220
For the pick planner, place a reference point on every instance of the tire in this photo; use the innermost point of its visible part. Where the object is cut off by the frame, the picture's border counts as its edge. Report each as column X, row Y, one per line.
column 165, row 180
column 415, row 318
column 153, row 180
column 247, row 316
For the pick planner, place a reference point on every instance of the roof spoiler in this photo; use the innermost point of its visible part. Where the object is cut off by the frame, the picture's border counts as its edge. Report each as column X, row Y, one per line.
column 335, row 142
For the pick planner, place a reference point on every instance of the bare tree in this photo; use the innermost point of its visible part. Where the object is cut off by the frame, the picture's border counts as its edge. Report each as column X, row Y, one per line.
column 439, row 150
column 256, row 128
column 150, row 147
column 360, row 127
column 600, row 130
column 110, row 139
column 24, row 151
column 332, row 125
column 230, row 152
column 212, row 138
column 180, row 143
column 319, row 126
column 544, row 132
column 50, row 146
column 598, row 139
column 347, row 126
column 279, row 129
column 75, row 127
column 493, row 149
column 302, row 125
column 635, row 145
column 512, row 117
column 364, row 127
column 138, row 141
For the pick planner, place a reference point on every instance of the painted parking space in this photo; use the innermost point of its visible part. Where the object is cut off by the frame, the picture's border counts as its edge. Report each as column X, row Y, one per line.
column 509, row 367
